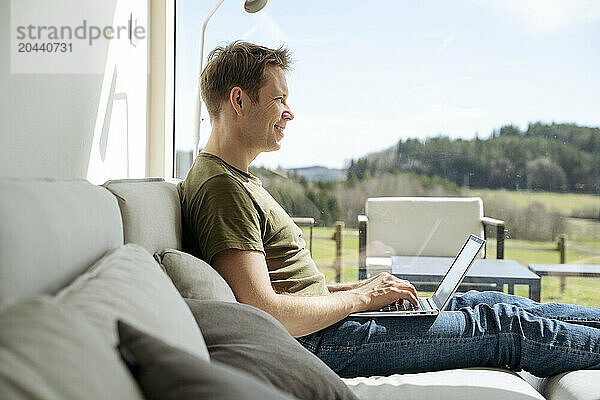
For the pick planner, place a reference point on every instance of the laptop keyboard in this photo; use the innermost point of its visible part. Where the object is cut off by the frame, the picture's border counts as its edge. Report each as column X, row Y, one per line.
column 402, row 305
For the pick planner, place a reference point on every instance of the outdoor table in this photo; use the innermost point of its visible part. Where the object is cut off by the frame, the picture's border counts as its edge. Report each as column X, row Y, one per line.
column 487, row 274
column 564, row 270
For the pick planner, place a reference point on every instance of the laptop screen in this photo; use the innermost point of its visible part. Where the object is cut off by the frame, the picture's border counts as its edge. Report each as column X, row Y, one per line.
column 457, row 270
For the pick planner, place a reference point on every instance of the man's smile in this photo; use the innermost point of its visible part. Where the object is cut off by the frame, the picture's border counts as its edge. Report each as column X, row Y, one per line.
column 279, row 129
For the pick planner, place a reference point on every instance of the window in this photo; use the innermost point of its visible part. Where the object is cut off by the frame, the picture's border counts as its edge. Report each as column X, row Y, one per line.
column 229, row 23
column 496, row 100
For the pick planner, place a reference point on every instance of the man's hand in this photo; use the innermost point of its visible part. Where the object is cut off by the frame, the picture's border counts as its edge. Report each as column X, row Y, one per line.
column 383, row 289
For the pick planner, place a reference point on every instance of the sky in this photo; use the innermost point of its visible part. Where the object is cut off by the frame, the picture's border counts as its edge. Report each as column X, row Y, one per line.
column 367, row 74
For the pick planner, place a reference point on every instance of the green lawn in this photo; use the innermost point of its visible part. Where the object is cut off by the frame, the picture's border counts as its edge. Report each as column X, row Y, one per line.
column 564, row 203
column 584, row 291
column 584, row 231
column 528, row 252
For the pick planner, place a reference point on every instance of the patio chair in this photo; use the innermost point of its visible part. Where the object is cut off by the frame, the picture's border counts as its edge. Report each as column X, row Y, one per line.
column 422, row 226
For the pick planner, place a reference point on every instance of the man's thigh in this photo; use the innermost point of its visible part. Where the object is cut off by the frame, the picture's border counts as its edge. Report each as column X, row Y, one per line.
column 383, row 346
column 473, row 298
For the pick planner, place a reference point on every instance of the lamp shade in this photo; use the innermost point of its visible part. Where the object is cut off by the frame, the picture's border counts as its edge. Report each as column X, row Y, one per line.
column 253, row 6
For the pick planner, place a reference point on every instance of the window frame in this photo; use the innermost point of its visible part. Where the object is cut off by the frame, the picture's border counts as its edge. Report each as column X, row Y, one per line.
column 160, row 146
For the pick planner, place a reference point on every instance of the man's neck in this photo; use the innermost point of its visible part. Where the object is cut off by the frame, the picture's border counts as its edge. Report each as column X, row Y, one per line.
column 229, row 148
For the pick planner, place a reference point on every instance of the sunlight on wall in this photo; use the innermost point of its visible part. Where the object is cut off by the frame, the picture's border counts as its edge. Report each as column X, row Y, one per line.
column 119, row 142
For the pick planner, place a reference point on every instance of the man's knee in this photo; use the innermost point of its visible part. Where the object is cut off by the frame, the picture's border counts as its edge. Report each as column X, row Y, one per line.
column 469, row 299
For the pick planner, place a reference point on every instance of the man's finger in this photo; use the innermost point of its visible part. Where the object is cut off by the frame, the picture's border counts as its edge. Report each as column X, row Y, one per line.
column 410, row 296
column 407, row 286
column 406, row 295
column 405, row 283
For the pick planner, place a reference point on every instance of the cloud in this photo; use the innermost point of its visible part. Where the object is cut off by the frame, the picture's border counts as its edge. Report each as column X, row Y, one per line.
column 434, row 34
column 442, row 47
column 551, row 15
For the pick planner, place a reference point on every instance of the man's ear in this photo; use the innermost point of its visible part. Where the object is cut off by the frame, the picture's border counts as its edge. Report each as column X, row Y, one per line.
column 235, row 98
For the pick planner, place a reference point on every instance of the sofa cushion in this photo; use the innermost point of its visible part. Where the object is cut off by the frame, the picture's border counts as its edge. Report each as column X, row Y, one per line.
column 128, row 284
column 51, row 231
column 249, row 339
column 165, row 372
column 48, row 353
column 151, row 212
column 576, row 385
column 457, row 384
column 194, row 278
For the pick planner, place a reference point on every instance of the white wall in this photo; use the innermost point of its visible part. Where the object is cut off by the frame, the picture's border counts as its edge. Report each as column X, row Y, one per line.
column 85, row 125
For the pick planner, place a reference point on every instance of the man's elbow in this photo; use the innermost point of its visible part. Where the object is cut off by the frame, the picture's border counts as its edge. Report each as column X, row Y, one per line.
column 275, row 305
column 267, row 303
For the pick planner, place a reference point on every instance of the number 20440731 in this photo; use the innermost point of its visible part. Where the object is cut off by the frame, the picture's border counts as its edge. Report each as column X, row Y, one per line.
column 50, row 47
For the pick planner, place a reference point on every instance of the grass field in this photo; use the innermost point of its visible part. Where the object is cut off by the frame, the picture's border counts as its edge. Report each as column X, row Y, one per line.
column 584, row 231
column 564, row 203
column 584, row 291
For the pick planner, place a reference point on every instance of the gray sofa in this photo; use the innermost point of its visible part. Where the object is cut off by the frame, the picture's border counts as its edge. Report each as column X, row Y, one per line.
column 66, row 277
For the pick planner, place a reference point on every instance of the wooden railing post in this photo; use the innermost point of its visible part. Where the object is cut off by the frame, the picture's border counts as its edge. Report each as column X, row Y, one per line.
column 500, row 230
column 362, row 247
column 338, row 236
column 562, row 248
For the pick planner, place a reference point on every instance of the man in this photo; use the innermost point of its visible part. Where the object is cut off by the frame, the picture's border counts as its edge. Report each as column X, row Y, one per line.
column 233, row 223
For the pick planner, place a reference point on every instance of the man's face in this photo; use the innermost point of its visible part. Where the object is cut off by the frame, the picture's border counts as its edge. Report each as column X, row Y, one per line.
column 268, row 117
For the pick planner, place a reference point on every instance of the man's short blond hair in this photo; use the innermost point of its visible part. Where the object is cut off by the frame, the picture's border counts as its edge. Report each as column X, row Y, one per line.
column 239, row 64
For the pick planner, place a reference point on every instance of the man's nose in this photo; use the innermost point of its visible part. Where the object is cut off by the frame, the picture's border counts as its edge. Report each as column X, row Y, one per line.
column 288, row 115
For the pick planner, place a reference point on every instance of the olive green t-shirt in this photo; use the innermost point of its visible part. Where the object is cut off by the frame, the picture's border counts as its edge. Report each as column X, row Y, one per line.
column 226, row 208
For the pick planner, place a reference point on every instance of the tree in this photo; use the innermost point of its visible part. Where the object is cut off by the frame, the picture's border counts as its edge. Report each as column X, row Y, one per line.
column 510, row 130
column 545, row 174
column 502, row 173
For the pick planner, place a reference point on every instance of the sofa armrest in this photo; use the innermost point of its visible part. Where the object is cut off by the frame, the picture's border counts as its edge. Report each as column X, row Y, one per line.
column 362, row 246
column 492, row 221
column 499, row 224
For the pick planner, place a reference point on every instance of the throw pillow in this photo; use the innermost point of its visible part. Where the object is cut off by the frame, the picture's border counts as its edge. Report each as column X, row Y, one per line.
column 48, row 352
column 252, row 340
column 167, row 373
column 127, row 283
column 194, row 278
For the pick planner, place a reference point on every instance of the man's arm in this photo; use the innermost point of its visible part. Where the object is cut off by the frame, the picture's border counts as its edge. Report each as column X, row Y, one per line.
column 337, row 287
column 340, row 287
column 247, row 274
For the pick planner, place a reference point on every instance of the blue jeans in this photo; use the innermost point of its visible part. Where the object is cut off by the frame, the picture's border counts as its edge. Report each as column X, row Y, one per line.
column 479, row 329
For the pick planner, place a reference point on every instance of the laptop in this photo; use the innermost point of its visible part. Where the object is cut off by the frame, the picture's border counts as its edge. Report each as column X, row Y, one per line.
column 437, row 303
